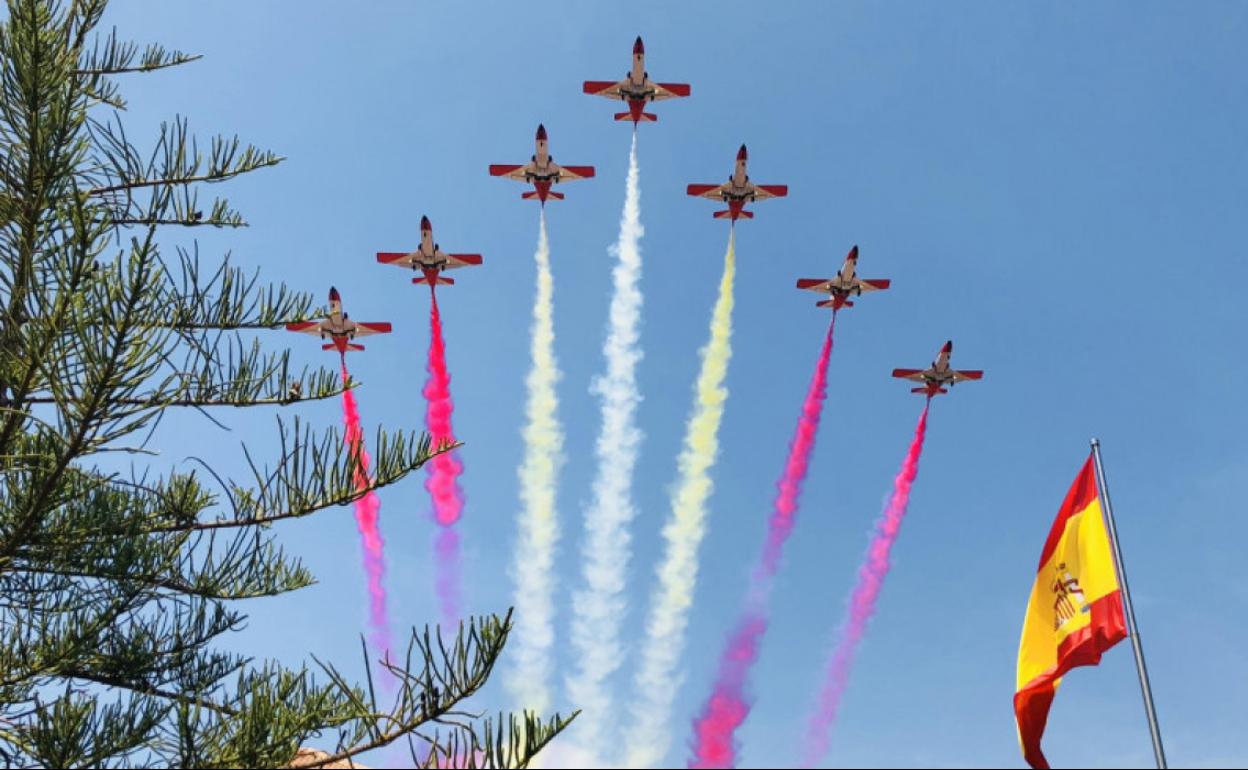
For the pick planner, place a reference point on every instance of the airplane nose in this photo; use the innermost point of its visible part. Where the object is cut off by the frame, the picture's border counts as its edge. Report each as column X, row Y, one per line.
column 741, row 154
column 948, row 348
column 333, row 294
column 853, row 253
column 541, row 132
column 639, row 47
column 425, row 224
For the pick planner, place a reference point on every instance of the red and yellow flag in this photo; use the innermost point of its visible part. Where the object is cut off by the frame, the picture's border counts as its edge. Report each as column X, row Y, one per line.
column 1075, row 612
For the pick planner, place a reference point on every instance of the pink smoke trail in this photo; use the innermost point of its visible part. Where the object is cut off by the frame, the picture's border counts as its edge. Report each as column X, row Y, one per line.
column 443, row 479
column 728, row 706
column 367, row 510
column 862, row 600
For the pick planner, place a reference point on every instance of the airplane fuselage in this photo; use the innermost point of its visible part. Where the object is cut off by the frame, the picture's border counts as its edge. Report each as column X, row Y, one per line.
column 542, row 170
column 339, row 329
column 940, row 374
column 844, row 283
column 739, row 190
column 637, row 86
column 337, row 325
column 428, row 256
column 740, row 179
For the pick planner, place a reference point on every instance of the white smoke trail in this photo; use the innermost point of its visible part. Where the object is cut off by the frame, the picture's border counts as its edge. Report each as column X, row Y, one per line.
column 534, row 636
column 599, row 607
column 657, row 679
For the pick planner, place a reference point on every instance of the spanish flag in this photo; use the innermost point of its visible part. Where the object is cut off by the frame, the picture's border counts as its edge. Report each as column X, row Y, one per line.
column 1075, row 612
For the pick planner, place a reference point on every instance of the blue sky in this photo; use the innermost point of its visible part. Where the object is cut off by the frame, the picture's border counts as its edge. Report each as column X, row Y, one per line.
column 1059, row 189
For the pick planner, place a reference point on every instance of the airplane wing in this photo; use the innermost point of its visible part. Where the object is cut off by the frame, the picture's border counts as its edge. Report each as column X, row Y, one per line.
column 462, row 260
column 815, row 284
column 969, row 374
column 307, row 327
column 910, row 374
column 764, row 191
column 400, row 258
column 569, row 173
column 872, row 284
column 509, row 171
column 711, row 191
column 607, row 88
column 363, row 328
column 670, row 90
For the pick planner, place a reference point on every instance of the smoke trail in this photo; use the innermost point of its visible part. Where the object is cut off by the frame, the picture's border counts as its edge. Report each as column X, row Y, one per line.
column 534, row 633
column 728, row 706
column 677, row 573
column 862, row 601
column 442, row 481
column 599, row 607
column 367, row 509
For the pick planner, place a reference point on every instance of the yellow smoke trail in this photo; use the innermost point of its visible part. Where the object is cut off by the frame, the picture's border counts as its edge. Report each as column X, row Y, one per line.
column 534, row 635
column 657, row 680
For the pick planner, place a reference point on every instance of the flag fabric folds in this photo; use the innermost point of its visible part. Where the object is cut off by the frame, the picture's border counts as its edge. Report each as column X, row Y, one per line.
column 1075, row 612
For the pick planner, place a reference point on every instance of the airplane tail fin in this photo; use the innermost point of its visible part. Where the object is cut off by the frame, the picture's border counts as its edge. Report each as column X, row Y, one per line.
column 646, row 117
column 726, row 214
column 924, row 390
column 532, row 195
column 441, row 281
column 832, row 304
column 354, row 346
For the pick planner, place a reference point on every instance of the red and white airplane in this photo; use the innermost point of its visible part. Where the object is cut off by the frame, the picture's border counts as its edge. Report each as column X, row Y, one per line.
column 428, row 258
column 636, row 88
column 939, row 375
column 541, row 171
column 738, row 191
column 846, row 284
column 338, row 327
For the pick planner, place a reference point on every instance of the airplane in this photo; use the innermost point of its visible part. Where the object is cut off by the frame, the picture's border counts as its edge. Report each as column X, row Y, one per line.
column 542, row 172
column 339, row 327
column 428, row 258
column 738, row 191
column 939, row 375
column 845, row 285
column 636, row 88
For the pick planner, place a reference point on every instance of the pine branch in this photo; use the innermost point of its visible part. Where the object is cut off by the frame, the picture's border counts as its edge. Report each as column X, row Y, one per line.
column 176, row 161
column 230, row 298
column 314, row 474
column 431, row 684
column 113, row 57
column 215, row 375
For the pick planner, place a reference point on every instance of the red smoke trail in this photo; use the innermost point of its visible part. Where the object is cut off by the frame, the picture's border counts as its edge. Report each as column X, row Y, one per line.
column 862, row 601
column 443, row 479
column 367, row 509
column 728, row 706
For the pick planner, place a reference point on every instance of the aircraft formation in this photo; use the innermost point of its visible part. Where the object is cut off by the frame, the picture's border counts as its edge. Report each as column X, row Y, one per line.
column 637, row 90
column 595, row 623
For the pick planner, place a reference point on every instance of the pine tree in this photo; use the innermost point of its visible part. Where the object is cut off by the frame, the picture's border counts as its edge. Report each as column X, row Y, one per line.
column 115, row 586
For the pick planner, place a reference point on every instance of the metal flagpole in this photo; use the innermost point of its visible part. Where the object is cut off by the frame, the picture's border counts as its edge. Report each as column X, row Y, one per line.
column 1103, row 488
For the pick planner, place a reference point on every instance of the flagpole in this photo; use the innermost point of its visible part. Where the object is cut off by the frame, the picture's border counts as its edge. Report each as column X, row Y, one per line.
column 1146, row 689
